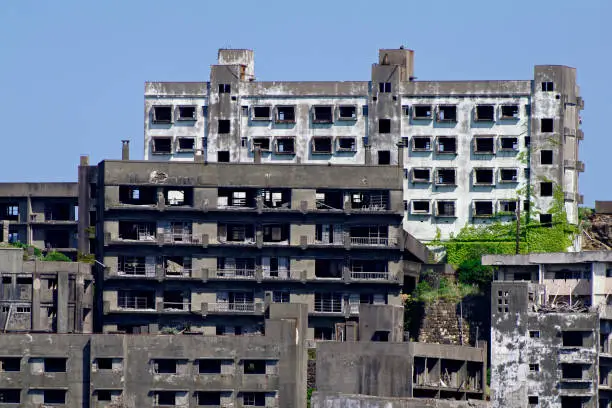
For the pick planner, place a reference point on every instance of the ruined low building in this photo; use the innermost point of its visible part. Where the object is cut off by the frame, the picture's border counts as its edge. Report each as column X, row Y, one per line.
column 44, row 296
column 471, row 145
column 127, row 371
column 551, row 330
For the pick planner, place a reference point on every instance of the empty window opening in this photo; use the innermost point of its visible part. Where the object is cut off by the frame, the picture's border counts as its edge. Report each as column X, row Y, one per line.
column 484, row 145
column 136, row 299
column 165, row 398
column 421, row 175
column 275, row 232
column 447, row 113
column 104, row 363
column 483, row 208
column 369, row 235
column 55, row 365
column 422, row 112
column 364, row 110
column 9, row 212
column 244, row 108
column 212, row 398
column 324, row 333
column 254, row 366
column 244, row 233
column 327, row 268
column 329, row 200
column 384, row 125
column 534, row 334
column 322, row 145
column 223, row 126
column 162, row 145
column 254, row 399
column 571, row 371
column 546, row 220
column 10, row 396
column 370, row 200
column 573, row 338
column 546, row 125
column 261, row 113
column 509, row 111
column 384, row 157
column 209, row 366
column 421, row 144
column 347, row 112
column 275, row 198
column 546, row 157
column 131, row 265
column 281, row 296
column 546, row 189
column 347, row 144
column 174, row 300
column 507, row 206
column 420, row 207
column 104, row 395
column 485, row 113
column 548, row 86
column 533, row 400
column 223, row 156
column 285, row 114
column 328, row 302
column 380, row 335
column 54, row 396
column 186, row 144
column 186, row 113
column 10, row 364
column 384, row 87
column 225, row 88
column 447, row 144
column 445, row 177
column 483, row 176
column 406, row 110
column 140, row 231
column 452, row 371
column 445, row 208
column 164, row 366
column 57, row 212
column 162, row 114
column 262, row 142
column 323, row 114
column 534, row 368
column 509, row 143
column 508, row 175
column 285, row 145
column 58, row 239
column 178, row 196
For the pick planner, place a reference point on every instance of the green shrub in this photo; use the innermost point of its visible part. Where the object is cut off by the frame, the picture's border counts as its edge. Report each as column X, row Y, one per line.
column 56, row 256
column 472, row 271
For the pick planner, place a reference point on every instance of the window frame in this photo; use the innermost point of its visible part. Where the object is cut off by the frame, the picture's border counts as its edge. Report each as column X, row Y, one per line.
column 261, row 118
column 279, row 138
column 162, row 122
column 155, row 151
column 415, row 212
column 191, row 118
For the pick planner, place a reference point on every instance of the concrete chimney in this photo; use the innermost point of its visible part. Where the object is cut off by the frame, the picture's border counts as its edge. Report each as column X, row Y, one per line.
column 257, row 154
column 125, row 150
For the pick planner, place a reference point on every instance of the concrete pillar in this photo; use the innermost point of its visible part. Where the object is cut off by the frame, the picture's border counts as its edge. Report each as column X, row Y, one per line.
column 84, row 201
column 125, row 150
column 62, row 302
column 400, row 155
column 257, row 154
column 5, row 231
column 29, row 237
column 36, row 288
column 368, row 155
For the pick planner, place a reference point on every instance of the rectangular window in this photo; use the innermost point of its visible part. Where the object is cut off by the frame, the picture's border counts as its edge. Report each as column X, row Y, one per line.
column 447, row 113
column 322, row 114
column 104, row 363
column 262, row 142
column 384, row 87
column 225, row 88
column 254, row 366
column 280, row 296
column 346, row 144
column 508, row 143
column 364, row 110
column 164, row 398
column 447, row 145
column 422, row 112
column 285, row 114
column 534, row 368
column 104, row 395
column 509, row 112
column 55, row 365
column 384, row 125
column 162, row 114
column 485, row 113
column 445, row 177
column 532, row 400
column 483, row 177
column 244, row 109
column 8, row 364
column 507, row 206
column 10, row 396
column 406, row 110
column 574, row 338
column 328, row 302
column 261, row 112
column 546, row 157
column 347, row 112
column 546, row 125
column 508, row 175
column 285, row 145
column 421, row 143
column 322, row 145
column 534, row 334
column 546, row 220
column 484, row 145
column 422, row 175
column 162, row 145
column 54, row 397
column 165, row 366
column 223, row 156
column 571, row 371
column 209, row 366
column 421, row 207
column 186, row 144
column 136, row 299
column 445, row 208
column 186, row 113
column 212, row 398
column 253, row 399
column 223, row 126
column 548, row 86
column 546, row 189
column 384, row 157
column 483, row 209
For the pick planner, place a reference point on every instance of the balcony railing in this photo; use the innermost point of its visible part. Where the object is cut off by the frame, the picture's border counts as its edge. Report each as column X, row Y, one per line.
column 370, row 275
column 371, row 241
column 177, row 238
column 231, row 307
column 180, row 273
column 235, row 273
column 176, row 306
column 329, row 306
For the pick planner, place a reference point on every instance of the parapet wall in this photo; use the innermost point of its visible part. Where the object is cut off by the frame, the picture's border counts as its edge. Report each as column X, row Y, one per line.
column 323, row 400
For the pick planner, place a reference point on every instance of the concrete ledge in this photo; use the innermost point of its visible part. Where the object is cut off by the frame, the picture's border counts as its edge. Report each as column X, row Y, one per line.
column 335, row 400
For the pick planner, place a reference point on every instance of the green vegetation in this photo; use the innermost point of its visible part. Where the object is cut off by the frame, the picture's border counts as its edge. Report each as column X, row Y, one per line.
column 56, row 256
column 86, row 258
column 309, row 392
column 445, row 289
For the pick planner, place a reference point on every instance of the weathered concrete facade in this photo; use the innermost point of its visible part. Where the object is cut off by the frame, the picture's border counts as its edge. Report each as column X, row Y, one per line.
column 471, row 145
column 339, row 400
column 550, row 334
column 44, row 296
column 118, row 370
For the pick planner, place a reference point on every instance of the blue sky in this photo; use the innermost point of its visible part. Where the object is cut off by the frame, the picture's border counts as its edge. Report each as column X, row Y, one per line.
column 72, row 72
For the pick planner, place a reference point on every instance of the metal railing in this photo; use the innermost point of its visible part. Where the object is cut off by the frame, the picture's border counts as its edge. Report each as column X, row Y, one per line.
column 329, row 306
column 177, row 237
column 235, row 273
column 135, row 303
column 132, row 270
column 370, row 241
column 176, row 306
column 232, row 307
column 183, row 273
column 370, row 275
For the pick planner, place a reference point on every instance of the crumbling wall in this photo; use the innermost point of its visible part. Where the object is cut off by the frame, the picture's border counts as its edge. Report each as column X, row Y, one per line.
column 323, row 400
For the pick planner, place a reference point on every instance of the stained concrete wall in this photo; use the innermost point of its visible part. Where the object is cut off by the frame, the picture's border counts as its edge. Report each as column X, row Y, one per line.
column 335, row 400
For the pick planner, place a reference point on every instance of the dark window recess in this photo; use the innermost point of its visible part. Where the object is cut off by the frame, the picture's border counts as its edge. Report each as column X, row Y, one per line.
column 209, row 366
column 446, row 176
column 546, row 219
column 485, row 113
column 256, row 399
column 534, row 367
column 10, row 364
column 165, row 366
column 186, row 143
column 384, row 87
column 323, row 114
column 533, row 400
column 421, row 143
column 406, row 110
column 420, row 207
column 384, row 125
column 205, row 111
column 508, row 175
column 55, row 365
column 54, row 396
column 483, row 176
column 165, row 397
column 262, row 142
column 509, row 143
column 104, row 363
column 546, row 125
column 548, row 86
column 364, row 110
column 285, row 114
column 525, row 205
column 507, row 206
column 509, row 111
column 447, row 113
column 405, row 141
column 571, row 371
column 483, row 208
column 209, row 398
column 187, row 112
column 261, row 112
column 225, row 88
column 347, row 112
column 534, row 334
column 527, row 141
column 347, row 144
column 445, row 208
column 381, row 336
column 322, row 145
column 573, row 339
column 421, row 175
column 447, row 145
column 546, row 157
column 546, row 189
column 384, row 157
column 104, row 395
column 285, row 145
column 223, row 156
column 162, row 145
column 223, row 126
column 138, row 195
column 162, row 114
column 244, row 108
column 254, row 366
column 10, row 396
column 484, row 145
column 422, row 112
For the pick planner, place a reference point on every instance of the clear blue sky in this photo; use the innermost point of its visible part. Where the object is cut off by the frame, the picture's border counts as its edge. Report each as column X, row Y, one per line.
column 72, row 72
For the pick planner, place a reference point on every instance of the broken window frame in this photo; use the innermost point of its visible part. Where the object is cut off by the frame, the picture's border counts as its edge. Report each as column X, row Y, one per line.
column 416, row 180
column 348, row 118
column 280, row 139
column 420, row 212
column 418, row 108
column 277, row 114
column 154, row 150
column 514, row 116
column 327, row 119
column 254, row 141
column 477, row 114
column 439, row 145
column 183, row 149
column 441, row 113
column 162, row 121
column 483, row 169
column 514, row 179
column 313, row 143
column 437, row 173
column 254, row 109
column 515, row 145
column 502, row 208
column 428, row 144
column 481, row 137
column 477, row 214
column 447, row 204
column 180, row 117
column 353, row 147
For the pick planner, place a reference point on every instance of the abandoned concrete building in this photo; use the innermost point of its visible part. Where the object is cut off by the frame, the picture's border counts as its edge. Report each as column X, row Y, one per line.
column 40, row 214
column 119, row 370
column 551, row 331
column 43, row 296
column 470, row 145
column 187, row 245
